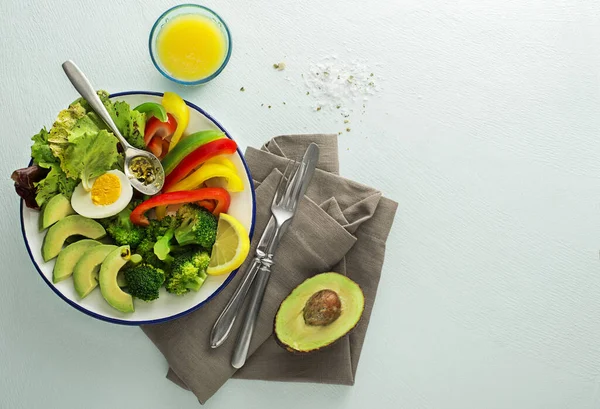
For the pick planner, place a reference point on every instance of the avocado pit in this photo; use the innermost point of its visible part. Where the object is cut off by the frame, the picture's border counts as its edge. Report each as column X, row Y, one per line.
column 322, row 308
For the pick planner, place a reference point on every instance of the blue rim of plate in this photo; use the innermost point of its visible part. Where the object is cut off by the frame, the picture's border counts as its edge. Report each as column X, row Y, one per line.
column 171, row 317
column 201, row 80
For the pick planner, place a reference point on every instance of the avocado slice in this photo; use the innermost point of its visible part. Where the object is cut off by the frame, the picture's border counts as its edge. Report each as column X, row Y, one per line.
column 109, row 287
column 318, row 312
column 85, row 273
column 68, row 257
column 54, row 210
column 69, row 226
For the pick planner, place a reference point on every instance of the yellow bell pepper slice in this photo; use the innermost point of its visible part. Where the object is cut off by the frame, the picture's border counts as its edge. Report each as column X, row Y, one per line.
column 177, row 107
column 222, row 160
column 209, row 171
column 220, row 182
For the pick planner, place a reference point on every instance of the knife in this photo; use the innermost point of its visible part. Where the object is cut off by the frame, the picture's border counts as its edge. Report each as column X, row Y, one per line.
column 305, row 173
column 223, row 325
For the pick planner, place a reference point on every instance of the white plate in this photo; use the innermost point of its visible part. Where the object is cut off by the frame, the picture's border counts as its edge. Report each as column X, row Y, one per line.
column 168, row 306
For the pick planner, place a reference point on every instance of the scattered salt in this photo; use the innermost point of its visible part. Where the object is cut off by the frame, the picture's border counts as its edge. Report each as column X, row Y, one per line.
column 334, row 84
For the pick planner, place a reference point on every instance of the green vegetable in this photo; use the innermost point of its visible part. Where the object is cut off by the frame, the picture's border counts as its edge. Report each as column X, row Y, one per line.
column 130, row 123
column 154, row 232
column 40, row 150
column 121, row 229
column 159, row 228
column 144, row 281
column 186, row 146
column 188, row 272
column 55, row 182
column 89, row 156
column 78, row 146
column 146, row 250
column 58, row 137
column 162, row 247
column 198, row 226
column 153, row 109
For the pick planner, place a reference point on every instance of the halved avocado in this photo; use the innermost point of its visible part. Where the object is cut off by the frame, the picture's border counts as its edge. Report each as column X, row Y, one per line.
column 68, row 257
column 318, row 312
column 69, row 226
column 109, row 287
column 85, row 273
column 57, row 208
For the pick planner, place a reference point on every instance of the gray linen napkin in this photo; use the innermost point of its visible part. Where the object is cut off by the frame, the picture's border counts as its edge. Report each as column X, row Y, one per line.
column 340, row 226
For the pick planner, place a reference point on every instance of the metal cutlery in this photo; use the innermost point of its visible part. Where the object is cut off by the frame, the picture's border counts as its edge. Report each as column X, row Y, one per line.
column 224, row 323
column 139, row 158
column 283, row 211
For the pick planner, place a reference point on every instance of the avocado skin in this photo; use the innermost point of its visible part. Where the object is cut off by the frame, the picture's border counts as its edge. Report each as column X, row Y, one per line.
column 310, row 351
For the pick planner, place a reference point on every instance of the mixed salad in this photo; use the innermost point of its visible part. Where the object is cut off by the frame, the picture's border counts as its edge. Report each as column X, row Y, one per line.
column 103, row 233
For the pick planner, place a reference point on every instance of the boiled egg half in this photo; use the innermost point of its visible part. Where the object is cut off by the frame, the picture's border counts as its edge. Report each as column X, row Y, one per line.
column 110, row 193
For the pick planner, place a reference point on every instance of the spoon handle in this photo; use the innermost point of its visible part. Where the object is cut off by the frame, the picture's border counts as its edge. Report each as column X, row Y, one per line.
column 87, row 91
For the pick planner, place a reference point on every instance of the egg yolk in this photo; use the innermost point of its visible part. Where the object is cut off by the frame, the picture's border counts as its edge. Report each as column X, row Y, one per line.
column 106, row 189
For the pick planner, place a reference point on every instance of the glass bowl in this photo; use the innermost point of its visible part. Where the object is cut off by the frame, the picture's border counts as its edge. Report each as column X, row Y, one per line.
column 187, row 9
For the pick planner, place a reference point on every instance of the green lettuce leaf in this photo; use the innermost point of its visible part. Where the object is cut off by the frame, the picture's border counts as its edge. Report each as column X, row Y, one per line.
column 135, row 133
column 58, row 137
column 90, row 155
column 90, row 123
column 130, row 123
column 103, row 95
column 40, row 150
column 55, row 182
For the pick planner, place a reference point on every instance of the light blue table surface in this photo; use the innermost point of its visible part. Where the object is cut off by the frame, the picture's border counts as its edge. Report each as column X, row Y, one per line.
column 485, row 129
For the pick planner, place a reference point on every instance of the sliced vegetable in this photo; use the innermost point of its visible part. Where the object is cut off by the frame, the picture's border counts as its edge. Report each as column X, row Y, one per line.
column 156, row 147
column 176, row 106
column 209, row 205
column 188, row 145
column 209, row 171
column 221, row 197
column 152, row 109
column 222, row 160
column 155, row 128
column 222, row 146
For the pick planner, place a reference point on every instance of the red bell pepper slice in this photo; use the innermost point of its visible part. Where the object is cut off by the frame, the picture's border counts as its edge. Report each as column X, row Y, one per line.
column 209, row 205
column 219, row 195
column 156, row 147
column 217, row 147
column 156, row 128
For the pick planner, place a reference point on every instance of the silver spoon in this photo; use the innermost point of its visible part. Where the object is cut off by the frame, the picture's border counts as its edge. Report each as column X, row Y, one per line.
column 134, row 158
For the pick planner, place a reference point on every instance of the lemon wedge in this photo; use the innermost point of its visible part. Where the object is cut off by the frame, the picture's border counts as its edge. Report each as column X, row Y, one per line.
column 230, row 248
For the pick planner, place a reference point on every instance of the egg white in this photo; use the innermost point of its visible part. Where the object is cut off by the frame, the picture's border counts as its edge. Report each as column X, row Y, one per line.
column 82, row 203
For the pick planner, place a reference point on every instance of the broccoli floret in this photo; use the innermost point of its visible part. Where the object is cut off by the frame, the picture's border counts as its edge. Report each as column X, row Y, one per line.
column 198, row 226
column 146, row 250
column 163, row 245
column 188, row 272
column 158, row 228
column 122, row 230
column 144, row 281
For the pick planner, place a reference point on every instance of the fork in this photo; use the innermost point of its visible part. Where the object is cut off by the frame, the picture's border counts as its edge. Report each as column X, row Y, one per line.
column 283, row 210
column 224, row 323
